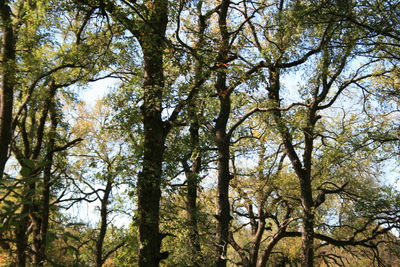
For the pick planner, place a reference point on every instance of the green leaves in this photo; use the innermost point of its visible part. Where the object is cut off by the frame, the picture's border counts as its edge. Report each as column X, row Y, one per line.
column 337, row 93
column 27, row 167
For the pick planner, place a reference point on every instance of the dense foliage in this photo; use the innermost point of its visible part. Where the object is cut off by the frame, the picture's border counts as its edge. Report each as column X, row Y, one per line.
column 234, row 133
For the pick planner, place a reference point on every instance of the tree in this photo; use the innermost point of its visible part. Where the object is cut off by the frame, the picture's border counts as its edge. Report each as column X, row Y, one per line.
column 104, row 162
column 7, row 81
column 150, row 36
column 149, row 28
column 41, row 75
column 331, row 68
column 253, row 133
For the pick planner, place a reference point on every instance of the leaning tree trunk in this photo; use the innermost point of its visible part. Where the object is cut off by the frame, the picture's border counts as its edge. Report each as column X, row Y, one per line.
column 7, row 82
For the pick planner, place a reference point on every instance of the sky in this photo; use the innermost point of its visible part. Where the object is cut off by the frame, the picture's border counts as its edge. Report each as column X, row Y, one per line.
column 97, row 90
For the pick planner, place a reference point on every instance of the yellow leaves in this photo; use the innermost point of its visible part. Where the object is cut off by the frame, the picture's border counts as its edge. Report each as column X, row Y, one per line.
column 83, row 127
column 256, row 133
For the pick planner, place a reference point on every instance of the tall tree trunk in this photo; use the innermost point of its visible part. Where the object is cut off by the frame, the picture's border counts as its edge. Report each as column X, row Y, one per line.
column 223, row 207
column 193, row 174
column 223, row 141
column 150, row 33
column 149, row 180
column 7, row 82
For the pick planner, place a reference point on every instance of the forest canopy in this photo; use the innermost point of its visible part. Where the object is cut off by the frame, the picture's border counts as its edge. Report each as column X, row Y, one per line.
column 199, row 133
